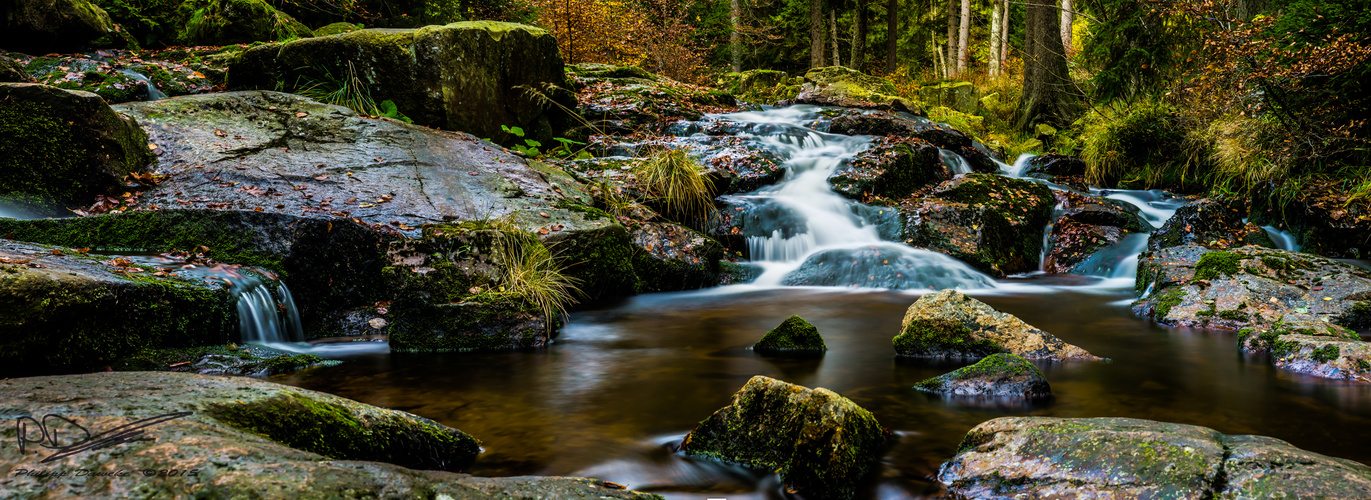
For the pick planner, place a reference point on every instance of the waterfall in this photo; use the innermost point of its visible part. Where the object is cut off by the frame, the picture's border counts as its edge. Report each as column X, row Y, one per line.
column 954, row 162
column 266, row 310
column 1283, row 239
column 837, row 245
column 153, row 93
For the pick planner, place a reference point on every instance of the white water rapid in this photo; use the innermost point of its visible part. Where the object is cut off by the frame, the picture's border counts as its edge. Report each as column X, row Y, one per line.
column 837, row 245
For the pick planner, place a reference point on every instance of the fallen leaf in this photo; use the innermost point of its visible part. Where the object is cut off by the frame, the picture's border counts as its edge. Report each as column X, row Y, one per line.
column 320, row 178
column 301, row 114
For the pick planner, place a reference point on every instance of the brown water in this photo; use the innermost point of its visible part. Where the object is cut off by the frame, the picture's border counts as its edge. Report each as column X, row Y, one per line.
column 625, row 382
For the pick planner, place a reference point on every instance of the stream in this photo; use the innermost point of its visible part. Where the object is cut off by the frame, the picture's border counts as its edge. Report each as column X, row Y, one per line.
column 625, row 381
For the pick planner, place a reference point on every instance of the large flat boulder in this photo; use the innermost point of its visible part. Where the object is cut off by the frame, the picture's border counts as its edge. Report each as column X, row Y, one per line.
column 950, row 324
column 65, row 311
column 233, row 437
column 468, row 76
column 819, row 442
column 60, row 148
column 1045, row 457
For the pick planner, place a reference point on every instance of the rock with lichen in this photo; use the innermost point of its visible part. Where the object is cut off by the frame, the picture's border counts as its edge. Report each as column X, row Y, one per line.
column 1047, row 457
column 820, row 443
column 950, row 324
column 1001, row 374
column 234, row 437
column 792, row 336
column 849, row 88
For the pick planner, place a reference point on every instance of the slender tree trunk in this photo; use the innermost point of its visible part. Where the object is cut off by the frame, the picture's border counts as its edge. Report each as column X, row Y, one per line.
column 1048, row 94
column 833, row 34
column 892, row 15
column 858, row 59
column 734, row 39
column 1004, row 34
column 995, row 19
column 816, row 33
column 951, row 38
column 1066, row 25
column 963, row 35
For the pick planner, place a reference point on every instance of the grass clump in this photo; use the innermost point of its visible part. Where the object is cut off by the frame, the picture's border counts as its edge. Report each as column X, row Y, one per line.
column 532, row 273
column 677, row 181
column 347, row 90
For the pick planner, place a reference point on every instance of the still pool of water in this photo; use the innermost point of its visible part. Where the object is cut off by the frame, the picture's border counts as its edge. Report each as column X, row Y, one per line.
column 624, row 382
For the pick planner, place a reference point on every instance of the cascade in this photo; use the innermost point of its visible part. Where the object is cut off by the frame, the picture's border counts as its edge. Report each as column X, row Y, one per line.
column 824, row 239
column 266, row 310
column 153, row 93
column 1283, row 239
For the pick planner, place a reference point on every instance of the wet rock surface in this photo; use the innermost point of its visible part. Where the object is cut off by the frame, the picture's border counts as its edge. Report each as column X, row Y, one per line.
column 61, row 148
column 52, row 296
column 997, row 375
column 622, row 100
column 1044, row 457
column 1321, row 219
column 881, row 123
column 820, row 443
column 1085, row 226
column 950, row 324
column 993, row 223
column 241, row 437
column 892, row 168
column 1213, row 222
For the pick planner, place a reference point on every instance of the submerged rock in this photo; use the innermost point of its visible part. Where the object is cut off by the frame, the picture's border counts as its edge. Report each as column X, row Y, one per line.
column 794, row 335
column 993, row 223
column 230, row 437
column 458, row 76
column 43, row 26
column 1213, row 222
column 1001, row 374
column 1045, row 457
column 60, row 148
column 950, row 324
column 820, row 443
column 65, row 311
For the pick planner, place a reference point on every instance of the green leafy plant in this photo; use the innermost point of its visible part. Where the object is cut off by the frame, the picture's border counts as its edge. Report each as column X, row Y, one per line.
column 677, row 181
column 529, row 147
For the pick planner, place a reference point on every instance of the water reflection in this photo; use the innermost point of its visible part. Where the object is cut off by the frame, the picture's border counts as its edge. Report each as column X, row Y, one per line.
column 601, row 399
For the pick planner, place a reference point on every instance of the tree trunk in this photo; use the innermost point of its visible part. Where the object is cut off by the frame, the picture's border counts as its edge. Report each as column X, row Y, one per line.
column 892, row 14
column 1048, row 94
column 858, row 59
column 951, row 38
column 734, row 39
column 963, row 35
column 1066, row 25
column 833, row 34
column 816, row 33
column 1004, row 34
column 995, row 19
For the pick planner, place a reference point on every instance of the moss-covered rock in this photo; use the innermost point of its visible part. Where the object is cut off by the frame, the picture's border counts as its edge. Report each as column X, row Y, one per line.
column 626, row 99
column 1085, row 226
column 337, row 29
column 1045, row 457
column 841, row 86
column 125, row 77
column 820, row 443
column 961, row 96
column 468, row 76
column 43, row 26
column 991, row 222
column 954, row 139
column 60, row 148
column 13, row 72
column 224, row 22
column 1322, row 216
column 950, row 324
column 235, row 437
column 1001, row 374
column 1212, row 222
column 761, row 86
column 62, row 311
column 794, row 335
column 227, row 359
column 670, row 257
column 892, row 168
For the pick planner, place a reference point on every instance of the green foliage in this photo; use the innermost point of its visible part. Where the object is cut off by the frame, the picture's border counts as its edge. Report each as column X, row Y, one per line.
column 677, row 181
column 1136, row 47
column 346, row 90
column 1144, row 145
column 532, row 273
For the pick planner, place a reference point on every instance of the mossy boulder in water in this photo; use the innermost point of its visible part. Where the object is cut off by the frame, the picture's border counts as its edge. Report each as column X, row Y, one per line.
column 820, row 443
column 1212, row 222
column 43, row 26
column 1046, row 457
column 60, row 148
column 1000, row 374
column 991, row 222
column 63, row 311
column 883, row 123
column 794, row 335
column 236, row 437
column 224, row 22
column 950, row 324
column 469, row 76
column 841, row 86
column 893, row 168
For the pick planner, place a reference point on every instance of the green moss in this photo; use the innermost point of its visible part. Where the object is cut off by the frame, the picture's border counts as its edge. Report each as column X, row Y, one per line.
column 337, row 431
column 1167, row 300
column 1002, row 365
column 1363, row 365
column 149, row 231
column 793, row 334
column 942, row 337
column 1213, row 265
column 1277, row 263
column 1326, row 353
column 44, row 163
column 1233, row 315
